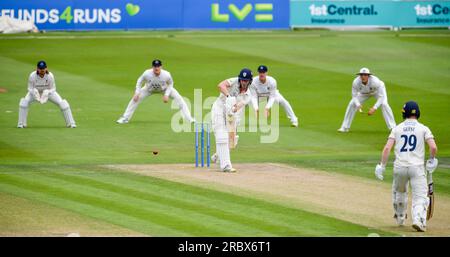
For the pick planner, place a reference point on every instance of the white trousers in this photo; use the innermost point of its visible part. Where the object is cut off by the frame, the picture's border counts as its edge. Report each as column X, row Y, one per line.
column 352, row 108
column 53, row 97
column 145, row 92
column 287, row 107
column 417, row 177
column 218, row 122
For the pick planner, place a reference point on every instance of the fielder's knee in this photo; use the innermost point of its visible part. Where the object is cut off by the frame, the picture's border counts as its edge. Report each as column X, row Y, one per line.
column 23, row 103
column 353, row 103
column 64, row 105
column 179, row 102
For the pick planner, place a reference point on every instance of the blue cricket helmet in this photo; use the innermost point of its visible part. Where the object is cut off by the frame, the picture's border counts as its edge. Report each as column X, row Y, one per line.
column 410, row 108
column 156, row 63
column 41, row 65
column 262, row 69
column 245, row 74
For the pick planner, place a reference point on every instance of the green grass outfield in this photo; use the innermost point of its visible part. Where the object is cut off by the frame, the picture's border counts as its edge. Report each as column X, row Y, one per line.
column 96, row 72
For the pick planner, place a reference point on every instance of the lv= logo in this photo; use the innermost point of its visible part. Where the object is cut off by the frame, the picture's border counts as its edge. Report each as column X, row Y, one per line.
column 242, row 13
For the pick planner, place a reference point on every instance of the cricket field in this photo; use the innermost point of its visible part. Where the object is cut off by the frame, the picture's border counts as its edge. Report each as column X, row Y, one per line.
column 102, row 179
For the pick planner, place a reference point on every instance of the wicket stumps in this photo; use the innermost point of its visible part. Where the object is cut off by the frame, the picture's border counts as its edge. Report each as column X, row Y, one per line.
column 201, row 128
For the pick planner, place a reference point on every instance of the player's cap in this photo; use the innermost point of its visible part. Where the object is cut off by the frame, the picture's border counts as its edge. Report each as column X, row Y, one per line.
column 262, row 68
column 41, row 65
column 245, row 74
column 410, row 108
column 364, row 71
column 156, row 63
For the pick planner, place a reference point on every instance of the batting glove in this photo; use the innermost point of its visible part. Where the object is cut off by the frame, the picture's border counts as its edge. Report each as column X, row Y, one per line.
column 230, row 103
column 431, row 165
column 379, row 171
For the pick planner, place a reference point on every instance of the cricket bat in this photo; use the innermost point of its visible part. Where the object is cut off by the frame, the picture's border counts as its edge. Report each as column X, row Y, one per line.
column 231, row 133
column 430, row 209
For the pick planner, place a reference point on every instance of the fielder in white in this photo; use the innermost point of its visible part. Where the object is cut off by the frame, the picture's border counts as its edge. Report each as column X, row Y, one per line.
column 41, row 88
column 156, row 80
column 409, row 138
column 266, row 86
column 226, row 113
column 363, row 87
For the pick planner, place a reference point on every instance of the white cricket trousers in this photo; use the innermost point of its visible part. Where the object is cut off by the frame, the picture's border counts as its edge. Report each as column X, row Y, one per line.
column 352, row 108
column 53, row 97
column 287, row 107
column 218, row 120
column 145, row 92
column 403, row 175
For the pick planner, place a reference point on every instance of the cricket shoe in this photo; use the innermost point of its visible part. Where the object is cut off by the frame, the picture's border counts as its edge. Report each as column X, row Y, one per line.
column 229, row 169
column 21, row 126
column 122, row 120
column 400, row 219
column 214, row 158
column 419, row 227
column 72, row 126
column 343, row 130
column 294, row 124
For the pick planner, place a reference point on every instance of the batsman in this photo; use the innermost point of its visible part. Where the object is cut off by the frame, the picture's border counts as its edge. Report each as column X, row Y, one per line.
column 409, row 138
column 225, row 115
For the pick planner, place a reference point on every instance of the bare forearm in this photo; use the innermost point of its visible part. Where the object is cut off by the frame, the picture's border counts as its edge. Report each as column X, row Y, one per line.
column 386, row 151
column 385, row 156
column 223, row 88
column 433, row 147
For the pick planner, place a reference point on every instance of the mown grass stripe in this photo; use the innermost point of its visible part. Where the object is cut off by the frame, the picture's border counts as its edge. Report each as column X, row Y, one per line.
column 154, row 217
column 95, row 212
column 218, row 215
column 306, row 222
column 173, row 192
column 293, row 216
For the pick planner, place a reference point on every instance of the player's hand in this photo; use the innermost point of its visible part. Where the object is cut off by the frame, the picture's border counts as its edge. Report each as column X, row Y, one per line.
column 267, row 113
column 235, row 108
column 36, row 95
column 371, row 111
column 44, row 96
column 379, row 171
column 136, row 97
column 165, row 98
column 431, row 165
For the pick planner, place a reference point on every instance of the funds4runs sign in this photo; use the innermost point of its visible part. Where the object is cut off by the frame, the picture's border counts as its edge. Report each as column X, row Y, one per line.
column 149, row 14
column 99, row 14
column 68, row 15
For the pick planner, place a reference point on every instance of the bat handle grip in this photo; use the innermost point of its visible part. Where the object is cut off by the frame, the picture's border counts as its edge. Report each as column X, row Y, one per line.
column 430, row 177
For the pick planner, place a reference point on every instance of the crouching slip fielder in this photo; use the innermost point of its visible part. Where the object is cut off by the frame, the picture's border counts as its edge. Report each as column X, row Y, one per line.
column 363, row 87
column 409, row 138
column 266, row 86
column 225, row 115
column 156, row 80
column 42, row 87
